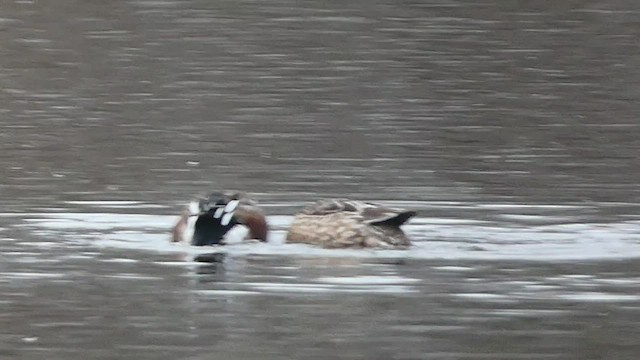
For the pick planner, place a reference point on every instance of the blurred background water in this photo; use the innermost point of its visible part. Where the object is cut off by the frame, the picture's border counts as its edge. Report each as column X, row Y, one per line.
column 511, row 127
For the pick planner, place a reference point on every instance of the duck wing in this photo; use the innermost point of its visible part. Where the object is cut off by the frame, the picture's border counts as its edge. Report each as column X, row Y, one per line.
column 331, row 206
column 370, row 213
column 220, row 211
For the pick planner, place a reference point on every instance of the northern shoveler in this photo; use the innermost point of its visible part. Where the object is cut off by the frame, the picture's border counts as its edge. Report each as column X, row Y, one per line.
column 215, row 215
column 338, row 223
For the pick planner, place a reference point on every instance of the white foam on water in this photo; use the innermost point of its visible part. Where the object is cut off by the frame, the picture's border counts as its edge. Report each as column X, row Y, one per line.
column 103, row 202
column 184, row 263
column 117, row 204
column 127, row 276
column 527, row 206
column 433, row 238
column 119, row 260
column 368, row 280
column 98, row 221
column 30, row 275
column 484, row 296
column 599, row 297
column 529, row 312
column 225, row 292
column 42, row 244
column 332, row 288
column 454, row 268
column 621, row 282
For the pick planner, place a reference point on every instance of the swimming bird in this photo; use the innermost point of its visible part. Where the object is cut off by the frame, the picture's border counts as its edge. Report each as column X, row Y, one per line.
column 207, row 220
column 341, row 223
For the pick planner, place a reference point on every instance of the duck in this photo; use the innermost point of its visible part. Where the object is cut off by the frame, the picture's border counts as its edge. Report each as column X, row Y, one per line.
column 327, row 223
column 343, row 223
column 206, row 220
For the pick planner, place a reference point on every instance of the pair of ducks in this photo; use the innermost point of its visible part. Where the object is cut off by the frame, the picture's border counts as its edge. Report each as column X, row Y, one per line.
column 327, row 223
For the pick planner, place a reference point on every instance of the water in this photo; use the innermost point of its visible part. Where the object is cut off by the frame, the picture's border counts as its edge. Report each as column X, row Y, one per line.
column 511, row 128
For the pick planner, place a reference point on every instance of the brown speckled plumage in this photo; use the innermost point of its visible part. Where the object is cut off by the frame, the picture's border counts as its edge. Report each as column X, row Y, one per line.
column 350, row 224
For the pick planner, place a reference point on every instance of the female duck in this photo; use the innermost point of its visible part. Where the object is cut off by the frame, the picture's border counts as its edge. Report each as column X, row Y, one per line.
column 350, row 224
column 207, row 220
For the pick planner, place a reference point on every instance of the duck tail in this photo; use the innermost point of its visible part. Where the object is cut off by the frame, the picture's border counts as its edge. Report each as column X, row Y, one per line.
column 177, row 232
column 397, row 220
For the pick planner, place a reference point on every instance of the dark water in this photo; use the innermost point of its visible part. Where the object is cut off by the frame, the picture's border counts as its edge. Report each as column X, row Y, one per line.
column 511, row 127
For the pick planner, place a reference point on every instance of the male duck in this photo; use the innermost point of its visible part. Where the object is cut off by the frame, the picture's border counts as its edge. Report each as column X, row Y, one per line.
column 215, row 215
column 334, row 223
column 339, row 223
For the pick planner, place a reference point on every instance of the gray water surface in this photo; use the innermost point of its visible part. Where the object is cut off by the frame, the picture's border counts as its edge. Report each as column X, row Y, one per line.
column 512, row 128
